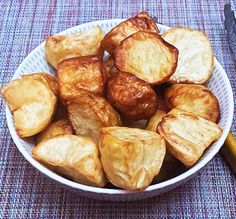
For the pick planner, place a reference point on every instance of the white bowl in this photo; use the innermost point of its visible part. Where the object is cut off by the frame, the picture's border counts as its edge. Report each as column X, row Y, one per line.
column 219, row 84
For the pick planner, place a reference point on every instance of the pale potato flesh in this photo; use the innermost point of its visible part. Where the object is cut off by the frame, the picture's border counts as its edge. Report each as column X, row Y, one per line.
column 73, row 156
column 188, row 135
column 196, row 60
column 131, row 157
column 147, row 56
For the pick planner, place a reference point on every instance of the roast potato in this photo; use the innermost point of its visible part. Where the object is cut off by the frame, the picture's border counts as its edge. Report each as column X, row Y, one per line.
column 131, row 157
column 59, row 127
column 84, row 43
column 193, row 98
column 141, row 22
column 73, row 156
column 131, row 96
column 31, row 102
column 155, row 120
column 80, row 74
column 47, row 79
column 89, row 112
column 147, row 56
column 188, row 135
column 196, row 59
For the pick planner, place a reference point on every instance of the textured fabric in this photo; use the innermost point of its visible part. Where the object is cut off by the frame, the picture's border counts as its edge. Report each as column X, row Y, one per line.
column 26, row 193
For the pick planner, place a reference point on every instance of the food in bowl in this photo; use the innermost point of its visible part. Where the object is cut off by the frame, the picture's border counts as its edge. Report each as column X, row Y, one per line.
column 92, row 113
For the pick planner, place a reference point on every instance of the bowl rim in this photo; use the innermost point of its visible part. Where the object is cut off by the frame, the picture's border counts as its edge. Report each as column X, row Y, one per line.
column 187, row 174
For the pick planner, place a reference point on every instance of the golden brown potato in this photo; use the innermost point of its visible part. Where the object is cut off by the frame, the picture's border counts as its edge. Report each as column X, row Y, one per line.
column 141, row 22
column 84, row 43
column 32, row 104
column 50, row 79
column 131, row 157
column 196, row 99
column 89, row 112
column 155, row 120
column 132, row 97
column 188, row 135
column 196, row 59
column 80, row 74
column 147, row 56
column 59, row 127
column 73, row 156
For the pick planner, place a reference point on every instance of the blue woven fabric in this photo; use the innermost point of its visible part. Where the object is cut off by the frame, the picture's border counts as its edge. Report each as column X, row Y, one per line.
column 26, row 193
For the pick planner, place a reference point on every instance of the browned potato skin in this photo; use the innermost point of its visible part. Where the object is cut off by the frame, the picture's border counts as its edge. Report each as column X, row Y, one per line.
column 76, row 75
column 125, row 55
column 184, row 97
column 132, row 97
column 59, row 127
column 90, row 112
column 141, row 22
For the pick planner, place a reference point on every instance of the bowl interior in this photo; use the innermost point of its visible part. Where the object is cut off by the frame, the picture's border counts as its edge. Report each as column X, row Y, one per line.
column 218, row 84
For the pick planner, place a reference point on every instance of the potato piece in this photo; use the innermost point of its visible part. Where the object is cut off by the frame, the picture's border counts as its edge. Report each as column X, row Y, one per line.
column 89, row 112
column 59, row 127
column 155, row 120
column 80, row 74
column 188, row 135
column 84, row 43
column 196, row 59
column 141, row 22
column 50, row 79
column 196, row 99
column 147, row 56
column 131, row 157
column 73, row 156
column 32, row 104
column 132, row 97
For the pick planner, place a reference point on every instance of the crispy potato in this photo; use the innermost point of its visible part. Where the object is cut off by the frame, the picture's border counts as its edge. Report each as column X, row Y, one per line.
column 32, row 104
column 188, row 135
column 196, row 59
column 59, row 127
column 73, row 156
column 89, row 112
column 84, row 43
column 147, row 56
column 131, row 96
column 155, row 120
column 141, row 22
column 47, row 78
column 80, row 74
column 196, row 99
column 131, row 157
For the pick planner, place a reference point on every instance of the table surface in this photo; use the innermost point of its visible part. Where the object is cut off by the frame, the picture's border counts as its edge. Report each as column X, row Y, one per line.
column 26, row 193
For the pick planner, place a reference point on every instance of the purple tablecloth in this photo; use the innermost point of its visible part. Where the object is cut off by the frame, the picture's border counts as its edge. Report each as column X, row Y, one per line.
column 25, row 193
